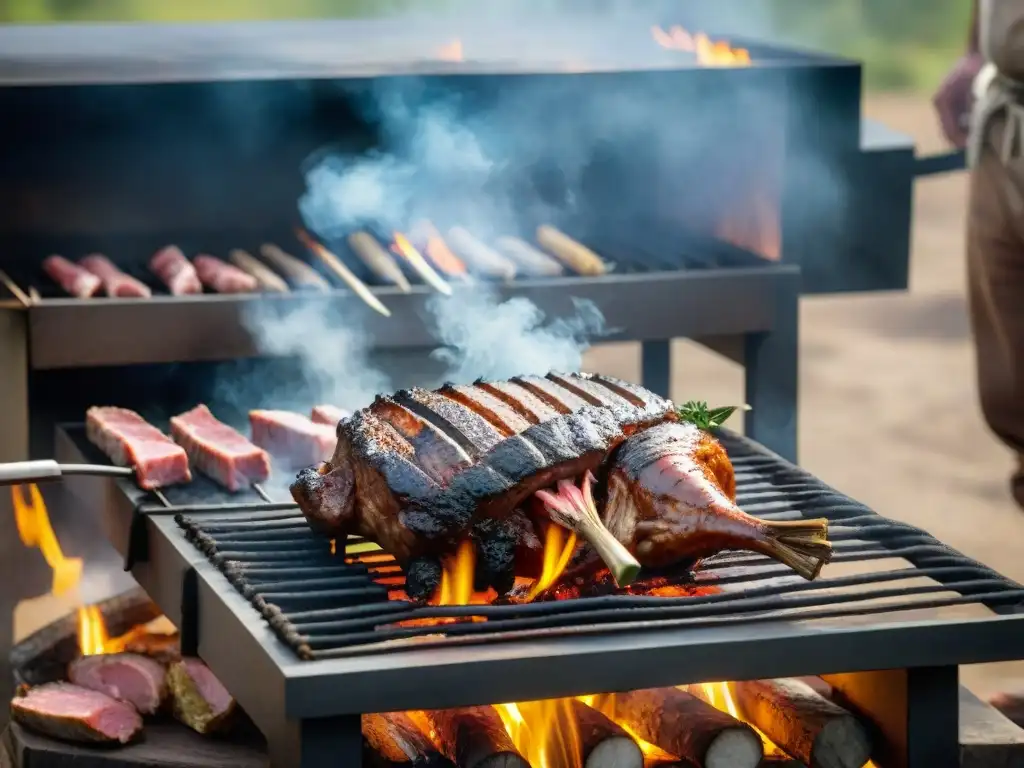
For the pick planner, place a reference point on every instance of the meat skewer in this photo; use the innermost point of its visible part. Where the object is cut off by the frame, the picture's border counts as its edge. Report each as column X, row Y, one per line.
column 377, row 259
column 268, row 280
column 803, row 722
column 415, row 259
column 338, row 267
column 686, row 726
column 480, row 257
column 116, row 283
column 296, row 271
column 437, row 250
column 576, row 256
column 220, row 451
column 222, row 277
column 130, row 441
column 528, row 259
column 73, row 279
column 421, row 471
column 175, row 271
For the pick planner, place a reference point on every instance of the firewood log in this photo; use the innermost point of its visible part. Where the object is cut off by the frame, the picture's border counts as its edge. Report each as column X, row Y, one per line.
column 475, row 737
column 814, row 730
column 603, row 744
column 684, row 725
column 393, row 739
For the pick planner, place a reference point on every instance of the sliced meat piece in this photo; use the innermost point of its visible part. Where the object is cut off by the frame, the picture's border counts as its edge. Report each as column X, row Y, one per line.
column 198, row 699
column 222, row 277
column 175, row 271
column 115, row 282
column 219, row 451
column 291, row 437
column 130, row 441
column 329, row 414
column 72, row 713
column 75, row 280
column 129, row 677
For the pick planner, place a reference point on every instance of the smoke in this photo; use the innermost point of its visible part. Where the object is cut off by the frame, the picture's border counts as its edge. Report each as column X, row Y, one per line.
column 487, row 339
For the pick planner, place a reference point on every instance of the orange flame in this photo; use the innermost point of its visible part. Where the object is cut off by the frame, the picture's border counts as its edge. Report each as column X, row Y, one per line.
column 559, row 545
column 437, row 250
column 35, row 530
column 451, row 51
column 709, row 53
column 544, row 732
column 719, row 695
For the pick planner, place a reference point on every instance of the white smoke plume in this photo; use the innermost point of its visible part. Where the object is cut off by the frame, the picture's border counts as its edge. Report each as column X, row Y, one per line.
column 487, row 339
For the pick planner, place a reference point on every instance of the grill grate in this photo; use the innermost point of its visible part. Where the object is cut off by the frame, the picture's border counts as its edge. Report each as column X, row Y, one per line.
column 323, row 607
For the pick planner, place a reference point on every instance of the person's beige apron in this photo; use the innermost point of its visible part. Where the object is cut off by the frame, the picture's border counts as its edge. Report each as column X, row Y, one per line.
column 995, row 224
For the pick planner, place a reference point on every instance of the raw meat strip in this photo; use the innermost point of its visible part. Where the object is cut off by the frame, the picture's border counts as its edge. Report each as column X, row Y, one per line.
column 219, row 451
column 329, row 415
column 73, row 713
column 222, row 277
column 292, row 437
column 115, row 282
column 130, row 441
column 175, row 271
column 76, row 281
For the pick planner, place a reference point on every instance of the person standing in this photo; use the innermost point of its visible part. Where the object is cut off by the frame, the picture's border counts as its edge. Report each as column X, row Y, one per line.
column 981, row 107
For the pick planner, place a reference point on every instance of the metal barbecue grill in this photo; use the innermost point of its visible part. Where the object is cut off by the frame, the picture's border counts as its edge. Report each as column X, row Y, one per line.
column 305, row 640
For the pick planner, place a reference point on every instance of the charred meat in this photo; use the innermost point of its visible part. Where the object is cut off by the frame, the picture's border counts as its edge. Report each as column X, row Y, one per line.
column 420, row 471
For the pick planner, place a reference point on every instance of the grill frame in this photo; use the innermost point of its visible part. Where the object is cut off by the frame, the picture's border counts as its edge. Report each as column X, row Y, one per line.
column 283, row 691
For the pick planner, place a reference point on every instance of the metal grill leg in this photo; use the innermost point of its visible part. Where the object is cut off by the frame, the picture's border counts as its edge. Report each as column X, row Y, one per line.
column 656, row 367
column 327, row 742
column 916, row 713
column 772, row 371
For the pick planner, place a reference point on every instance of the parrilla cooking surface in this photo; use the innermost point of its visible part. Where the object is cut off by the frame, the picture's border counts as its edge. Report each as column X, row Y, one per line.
column 764, row 624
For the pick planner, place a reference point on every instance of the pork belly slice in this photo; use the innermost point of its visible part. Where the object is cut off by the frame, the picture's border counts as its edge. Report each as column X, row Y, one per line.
column 222, row 277
column 72, row 713
column 420, row 470
column 128, row 677
column 116, row 283
column 130, row 441
column 74, row 280
column 219, row 451
column 198, row 699
column 175, row 271
column 329, row 415
column 291, row 437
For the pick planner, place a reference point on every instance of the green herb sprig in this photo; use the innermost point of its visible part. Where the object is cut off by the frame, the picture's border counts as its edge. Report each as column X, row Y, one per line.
column 697, row 413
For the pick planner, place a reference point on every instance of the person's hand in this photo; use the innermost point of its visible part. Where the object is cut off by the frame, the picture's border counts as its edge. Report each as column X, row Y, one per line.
column 953, row 100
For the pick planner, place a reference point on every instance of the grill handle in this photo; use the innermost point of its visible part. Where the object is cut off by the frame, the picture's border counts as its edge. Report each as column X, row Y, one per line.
column 42, row 470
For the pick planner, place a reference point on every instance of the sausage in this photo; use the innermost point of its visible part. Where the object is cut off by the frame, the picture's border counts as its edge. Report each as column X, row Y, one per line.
column 265, row 276
column 576, row 256
column 528, row 259
column 380, row 262
column 295, row 270
column 479, row 257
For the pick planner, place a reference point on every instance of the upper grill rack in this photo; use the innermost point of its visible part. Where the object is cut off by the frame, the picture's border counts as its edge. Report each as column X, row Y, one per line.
column 323, row 607
column 131, row 254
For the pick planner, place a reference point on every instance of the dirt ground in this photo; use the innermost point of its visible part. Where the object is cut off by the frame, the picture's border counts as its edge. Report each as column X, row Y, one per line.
column 888, row 405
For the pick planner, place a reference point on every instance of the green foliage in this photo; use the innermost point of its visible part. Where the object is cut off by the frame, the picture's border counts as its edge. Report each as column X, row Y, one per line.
column 697, row 413
column 904, row 43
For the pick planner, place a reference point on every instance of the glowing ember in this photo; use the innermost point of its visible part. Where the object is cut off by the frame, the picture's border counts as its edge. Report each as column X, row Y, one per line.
column 709, row 53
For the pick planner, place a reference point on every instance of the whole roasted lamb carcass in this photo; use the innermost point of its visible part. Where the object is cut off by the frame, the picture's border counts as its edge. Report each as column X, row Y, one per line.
column 421, row 471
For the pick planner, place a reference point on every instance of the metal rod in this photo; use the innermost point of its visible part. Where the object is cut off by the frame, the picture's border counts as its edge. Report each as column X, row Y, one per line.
column 41, row 470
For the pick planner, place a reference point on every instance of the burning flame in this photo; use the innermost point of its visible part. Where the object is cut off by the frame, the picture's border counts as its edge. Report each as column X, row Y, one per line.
column 35, row 530
column 457, row 579
column 559, row 544
column 709, row 53
column 544, row 732
column 451, row 51
column 719, row 696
